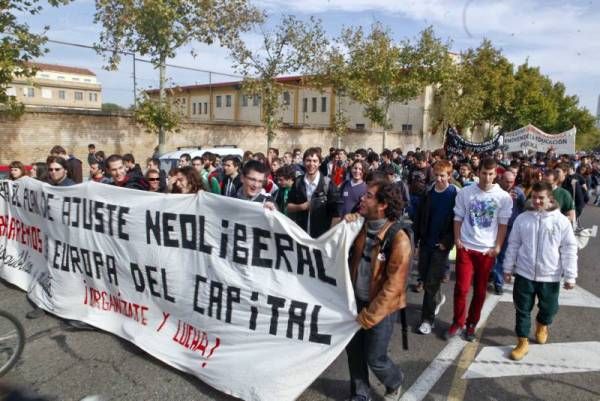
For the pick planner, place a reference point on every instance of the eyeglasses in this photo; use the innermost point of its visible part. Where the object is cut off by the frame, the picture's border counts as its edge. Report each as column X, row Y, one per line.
column 254, row 180
column 153, row 179
column 55, row 169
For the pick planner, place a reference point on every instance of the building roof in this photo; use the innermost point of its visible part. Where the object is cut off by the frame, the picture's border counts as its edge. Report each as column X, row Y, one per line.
column 291, row 79
column 61, row 68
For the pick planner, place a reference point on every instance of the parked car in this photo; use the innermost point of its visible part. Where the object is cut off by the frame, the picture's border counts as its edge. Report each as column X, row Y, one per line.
column 170, row 159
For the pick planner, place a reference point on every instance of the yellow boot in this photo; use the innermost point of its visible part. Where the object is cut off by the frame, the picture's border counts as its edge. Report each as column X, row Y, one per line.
column 541, row 333
column 520, row 350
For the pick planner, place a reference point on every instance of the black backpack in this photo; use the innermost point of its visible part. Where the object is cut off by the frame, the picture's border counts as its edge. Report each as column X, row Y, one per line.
column 386, row 249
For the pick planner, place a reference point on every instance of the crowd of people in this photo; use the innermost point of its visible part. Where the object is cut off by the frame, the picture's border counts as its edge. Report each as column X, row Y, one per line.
column 509, row 217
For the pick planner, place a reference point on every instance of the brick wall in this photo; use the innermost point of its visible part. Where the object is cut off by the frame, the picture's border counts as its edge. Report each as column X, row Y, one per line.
column 30, row 138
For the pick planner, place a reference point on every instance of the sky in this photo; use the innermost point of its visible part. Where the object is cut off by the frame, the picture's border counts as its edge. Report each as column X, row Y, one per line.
column 561, row 37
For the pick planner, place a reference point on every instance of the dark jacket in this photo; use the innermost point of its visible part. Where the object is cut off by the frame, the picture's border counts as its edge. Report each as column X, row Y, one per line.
column 323, row 204
column 75, row 169
column 572, row 185
column 387, row 290
column 236, row 185
column 133, row 181
column 67, row 182
column 421, row 223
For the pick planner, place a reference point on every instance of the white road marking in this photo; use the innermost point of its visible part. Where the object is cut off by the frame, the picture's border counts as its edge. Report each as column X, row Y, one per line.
column 430, row 376
column 594, row 231
column 575, row 297
column 541, row 359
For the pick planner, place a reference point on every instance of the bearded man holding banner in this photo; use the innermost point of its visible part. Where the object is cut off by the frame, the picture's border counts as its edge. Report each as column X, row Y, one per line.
column 379, row 263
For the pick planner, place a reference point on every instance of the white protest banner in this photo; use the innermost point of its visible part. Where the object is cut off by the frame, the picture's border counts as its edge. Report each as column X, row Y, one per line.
column 224, row 289
column 530, row 138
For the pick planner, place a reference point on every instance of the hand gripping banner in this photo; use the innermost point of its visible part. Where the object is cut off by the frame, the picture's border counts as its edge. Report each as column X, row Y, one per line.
column 234, row 294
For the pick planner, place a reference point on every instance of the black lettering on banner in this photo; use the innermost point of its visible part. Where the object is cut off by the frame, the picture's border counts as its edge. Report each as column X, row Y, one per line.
column 276, row 303
column 56, row 255
column 76, row 203
column 87, row 215
column 151, row 281
column 281, row 248
column 321, row 268
column 138, row 277
column 99, row 217
column 203, row 247
column 215, row 299
column 98, row 262
column 187, row 223
column 233, row 295
column 168, row 297
column 197, row 307
column 167, row 222
column 15, row 197
column 297, row 316
column 224, row 239
column 121, row 223
column 315, row 336
column 253, row 311
column 111, row 208
column 64, row 263
column 75, row 259
column 26, row 199
column 239, row 235
column 258, row 246
column 87, row 264
column 66, row 211
column 303, row 254
column 152, row 227
column 46, row 198
column 111, row 270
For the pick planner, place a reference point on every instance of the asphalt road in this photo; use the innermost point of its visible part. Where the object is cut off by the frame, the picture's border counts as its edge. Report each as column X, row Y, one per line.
column 63, row 364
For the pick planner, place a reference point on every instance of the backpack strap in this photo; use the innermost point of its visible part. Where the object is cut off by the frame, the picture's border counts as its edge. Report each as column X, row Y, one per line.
column 386, row 249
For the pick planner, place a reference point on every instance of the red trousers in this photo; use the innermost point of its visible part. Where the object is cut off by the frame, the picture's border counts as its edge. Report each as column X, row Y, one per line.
column 471, row 266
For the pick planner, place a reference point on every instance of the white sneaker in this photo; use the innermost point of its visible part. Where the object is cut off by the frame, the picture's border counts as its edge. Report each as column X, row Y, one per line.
column 425, row 328
column 439, row 306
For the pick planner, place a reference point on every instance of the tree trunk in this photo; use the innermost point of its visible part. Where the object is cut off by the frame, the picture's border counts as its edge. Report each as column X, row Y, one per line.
column 385, row 126
column 339, row 141
column 161, row 99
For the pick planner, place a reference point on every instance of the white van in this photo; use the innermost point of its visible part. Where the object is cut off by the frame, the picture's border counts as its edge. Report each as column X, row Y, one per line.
column 170, row 159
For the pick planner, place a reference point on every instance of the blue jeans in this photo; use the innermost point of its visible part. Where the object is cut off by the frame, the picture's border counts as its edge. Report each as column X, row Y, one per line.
column 368, row 349
column 498, row 270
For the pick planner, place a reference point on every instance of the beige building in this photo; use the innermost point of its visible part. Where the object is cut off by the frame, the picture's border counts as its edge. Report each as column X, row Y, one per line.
column 58, row 86
column 301, row 106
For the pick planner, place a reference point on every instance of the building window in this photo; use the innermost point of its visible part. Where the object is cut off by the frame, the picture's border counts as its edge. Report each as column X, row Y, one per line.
column 193, row 108
column 10, row 91
column 314, row 105
column 87, row 80
column 407, row 128
column 228, row 101
column 286, row 98
column 60, row 77
column 360, row 126
column 78, row 95
column 62, row 95
column 219, row 101
column 75, row 79
column 323, row 104
column 47, row 93
column 30, row 92
column 95, row 97
column 244, row 101
column 305, row 105
column 205, row 108
column 44, row 76
column 182, row 100
column 256, row 100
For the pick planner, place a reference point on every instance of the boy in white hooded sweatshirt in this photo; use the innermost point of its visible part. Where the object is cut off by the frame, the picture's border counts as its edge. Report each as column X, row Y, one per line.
column 541, row 249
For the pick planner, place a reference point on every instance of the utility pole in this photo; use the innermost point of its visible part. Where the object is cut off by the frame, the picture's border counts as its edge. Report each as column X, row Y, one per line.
column 134, row 83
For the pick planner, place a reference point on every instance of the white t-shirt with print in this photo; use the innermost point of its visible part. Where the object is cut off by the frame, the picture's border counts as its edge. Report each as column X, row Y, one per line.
column 481, row 212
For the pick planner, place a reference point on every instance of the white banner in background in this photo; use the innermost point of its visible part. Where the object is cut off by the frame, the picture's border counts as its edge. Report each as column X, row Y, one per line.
column 234, row 294
column 530, row 138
